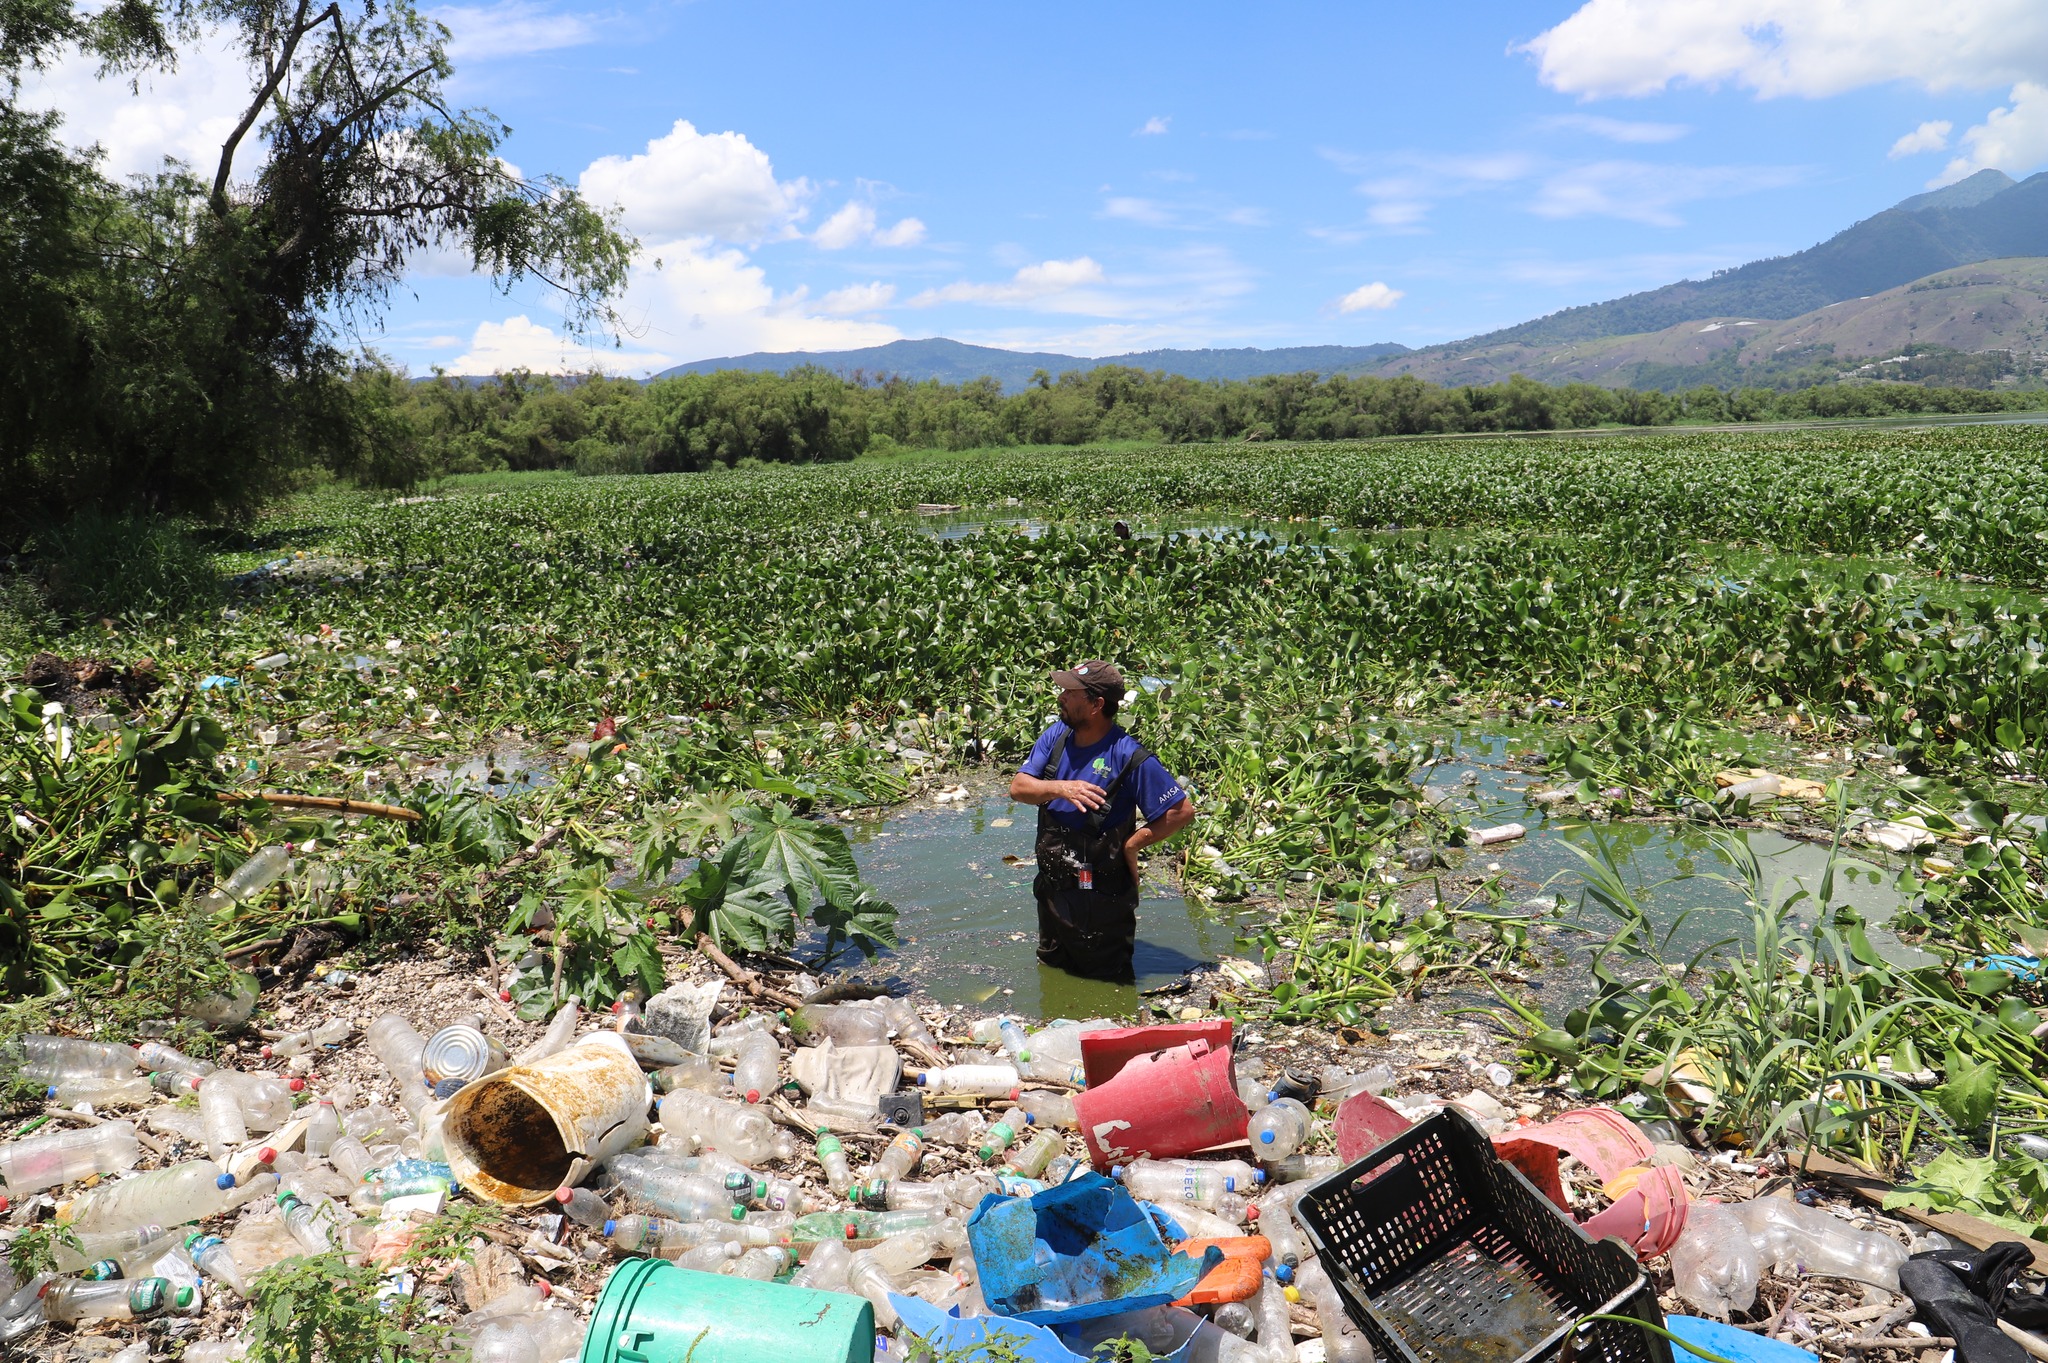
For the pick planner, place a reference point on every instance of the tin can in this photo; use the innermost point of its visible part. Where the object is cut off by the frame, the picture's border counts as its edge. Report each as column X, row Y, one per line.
column 461, row 1052
column 1087, row 877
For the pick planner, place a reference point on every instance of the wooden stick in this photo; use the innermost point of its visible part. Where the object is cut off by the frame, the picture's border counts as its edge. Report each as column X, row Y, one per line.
column 746, row 979
column 2026, row 1339
column 1857, row 1342
column 1968, row 1229
column 340, row 804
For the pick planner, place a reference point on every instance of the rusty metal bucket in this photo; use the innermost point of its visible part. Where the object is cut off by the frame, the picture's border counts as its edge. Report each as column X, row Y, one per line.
column 515, row 1136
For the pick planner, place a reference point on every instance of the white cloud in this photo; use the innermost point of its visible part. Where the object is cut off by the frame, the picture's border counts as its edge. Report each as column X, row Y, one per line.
column 1153, row 127
column 1144, row 211
column 903, row 232
column 513, row 28
column 186, row 114
column 1639, row 191
column 857, row 298
column 689, row 183
column 1373, row 297
column 710, row 300
column 855, row 223
column 1050, row 284
column 522, row 343
column 1404, row 186
column 1618, row 129
column 1791, row 47
column 1929, row 136
column 2012, row 139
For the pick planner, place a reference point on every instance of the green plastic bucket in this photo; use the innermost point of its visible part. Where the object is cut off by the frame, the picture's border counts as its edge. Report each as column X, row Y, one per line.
column 653, row 1312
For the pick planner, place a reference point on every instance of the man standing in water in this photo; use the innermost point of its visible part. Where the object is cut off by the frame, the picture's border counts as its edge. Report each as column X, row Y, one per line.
column 1091, row 781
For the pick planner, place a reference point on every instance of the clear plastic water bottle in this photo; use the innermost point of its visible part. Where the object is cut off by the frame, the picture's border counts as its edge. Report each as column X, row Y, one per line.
column 211, row 1257
column 1002, row 1133
column 699, row 1072
column 155, row 1055
column 1048, row 1109
column 763, row 1265
column 832, row 1155
column 313, row 1225
column 759, row 1069
column 907, row 1025
column 583, row 1206
column 265, row 1099
column 745, row 1133
column 1279, row 1128
column 398, row 1044
column 90, row 1249
column 55, row 1059
column 172, row 1084
column 71, row 1299
column 1011, row 1037
column 901, row 1157
column 1165, row 1181
column 251, row 878
column 1343, row 1341
column 332, row 1032
column 1031, row 1158
column 29, row 1166
column 865, row 1276
column 826, row 1269
column 686, row 1197
column 1276, row 1222
column 711, row 1258
column 191, row 1191
column 846, row 1024
column 323, row 1129
column 220, row 1116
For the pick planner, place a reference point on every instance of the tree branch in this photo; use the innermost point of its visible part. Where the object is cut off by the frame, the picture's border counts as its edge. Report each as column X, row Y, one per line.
column 273, row 77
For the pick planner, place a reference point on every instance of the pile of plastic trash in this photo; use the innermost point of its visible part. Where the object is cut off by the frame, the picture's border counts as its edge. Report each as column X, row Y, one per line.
column 832, row 1181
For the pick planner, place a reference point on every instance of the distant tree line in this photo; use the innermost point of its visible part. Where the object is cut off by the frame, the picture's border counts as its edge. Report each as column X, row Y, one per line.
column 598, row 425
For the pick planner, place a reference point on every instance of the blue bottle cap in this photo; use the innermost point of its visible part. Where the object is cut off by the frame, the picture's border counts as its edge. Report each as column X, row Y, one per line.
column 1259, row 1176
column 610, row 1226
column 1266, row 1137
column 224, row 1182
column 1284, row 1273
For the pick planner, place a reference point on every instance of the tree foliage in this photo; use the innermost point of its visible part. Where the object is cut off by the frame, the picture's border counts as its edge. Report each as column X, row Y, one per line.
column 187, row 356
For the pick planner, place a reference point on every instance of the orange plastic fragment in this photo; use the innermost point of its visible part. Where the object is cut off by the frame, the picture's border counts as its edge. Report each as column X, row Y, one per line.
column 1237, row 1277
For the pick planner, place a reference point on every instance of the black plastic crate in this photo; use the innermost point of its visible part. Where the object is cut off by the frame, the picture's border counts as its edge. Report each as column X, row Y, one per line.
column 1444, row 1253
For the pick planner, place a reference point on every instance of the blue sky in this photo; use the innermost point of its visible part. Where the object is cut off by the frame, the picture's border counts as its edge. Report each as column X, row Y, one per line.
column 1101, row 178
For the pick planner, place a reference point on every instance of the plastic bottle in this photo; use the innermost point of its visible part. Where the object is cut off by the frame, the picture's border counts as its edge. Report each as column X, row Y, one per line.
column 744, row 1133
column 29, row 1166
column 1010, row 1036
column 220, row 1116
column 1298, row 1168
column 1169, row 1181
column 662, row 1237
column 70, row 1299
column 350, row 1158
column 191, row 1191
column 262, row 1188
column 332, row 1032
column 954, row 1128
column 1792, row 1238
column 994, row 1081
column 1276, row 1223
column 826, row 1269
column 711, row 1258
column 155, row 1055
column 832, row 1155
column 727, row 1043
column 1002, row 1133
column 323, row 1129
column 134, row 1091
column 398, row 1044
column 1048, row 1109
column 866, row 1277
column 898, row 1196
column 1031, row 1158
column 686, row 1197
column 1715, row 1265
column 763, row 1265
column 759, row 1069
column 1343, row 1341
column 857, row 1225
column 172, row 1084
column 1197, row 1223
column 251, row 878
column 211, row 1257
column 561, row 1031
column 55, row 1058
column 901, row 1157
column 92, row 1248
column 1278, row 1129
column 1338, row 1083
column 265, row 1099
column 215, row 1351
column 311, row 1224
column 847, row 1024
column 1276, row 1332
column 699, row 1072
column 907, row 1025
column 513, row 1301
column 583, row 1206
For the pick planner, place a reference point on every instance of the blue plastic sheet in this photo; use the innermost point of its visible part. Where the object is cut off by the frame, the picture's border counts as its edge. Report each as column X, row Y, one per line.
column 1075, row 1251
column 1737, row 1346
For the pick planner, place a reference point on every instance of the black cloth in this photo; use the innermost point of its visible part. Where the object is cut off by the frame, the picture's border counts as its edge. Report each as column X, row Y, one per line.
column 1955, row 1292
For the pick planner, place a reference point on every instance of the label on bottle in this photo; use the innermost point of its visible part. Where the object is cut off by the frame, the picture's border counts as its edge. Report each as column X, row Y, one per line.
column 1087, row 877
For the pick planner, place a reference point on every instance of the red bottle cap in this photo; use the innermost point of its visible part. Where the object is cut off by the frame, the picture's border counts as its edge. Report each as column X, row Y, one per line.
column 267, row 1155
column 1251, row 1213
column 504, row 996
column 753, row 1095
column 296, row 1085
column 565, row 1196
column 851, row 1233
column 547, row 1289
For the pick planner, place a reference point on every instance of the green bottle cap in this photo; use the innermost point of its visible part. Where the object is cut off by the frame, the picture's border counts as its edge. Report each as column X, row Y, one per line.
column 739, row 1213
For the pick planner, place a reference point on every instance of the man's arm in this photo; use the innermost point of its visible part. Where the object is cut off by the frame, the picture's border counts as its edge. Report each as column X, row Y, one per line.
column 1032, row 790
column 1158, row 830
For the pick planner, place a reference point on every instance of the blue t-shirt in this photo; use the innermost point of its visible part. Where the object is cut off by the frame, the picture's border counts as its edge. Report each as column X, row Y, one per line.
column 1150, row 790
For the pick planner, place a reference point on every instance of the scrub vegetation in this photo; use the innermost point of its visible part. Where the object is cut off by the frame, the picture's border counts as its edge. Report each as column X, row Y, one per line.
column 703, row 666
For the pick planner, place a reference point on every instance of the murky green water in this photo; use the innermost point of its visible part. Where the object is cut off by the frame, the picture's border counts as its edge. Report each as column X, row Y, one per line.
column 960, row 876
column 969, row 925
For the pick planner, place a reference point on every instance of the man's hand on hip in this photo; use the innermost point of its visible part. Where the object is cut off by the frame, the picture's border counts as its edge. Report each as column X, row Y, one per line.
column 1082, row 795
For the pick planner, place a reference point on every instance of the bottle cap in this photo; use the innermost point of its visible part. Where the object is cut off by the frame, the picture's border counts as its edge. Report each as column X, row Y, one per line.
column 267, row 1155
column 739, row 1213
column 753, row 1095
column 1266, row 1137
column 851, row 1232
column 224, row 1182
column 547, row 1289
column 1291, row 1292
column 610, row 1226
column 1252, row 1212
column 1259, row 1176
column 286, row 1199
column 1283, row 1273
column 1117, row 1172
column 296, row 1085
column 565, row 1195
column 183, row 1297
column 1230, row 1183
column 267, row 1053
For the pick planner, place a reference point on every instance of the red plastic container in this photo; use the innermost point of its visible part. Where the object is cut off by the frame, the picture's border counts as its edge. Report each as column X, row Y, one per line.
column 1105, row 1053
column 1162, row 1105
